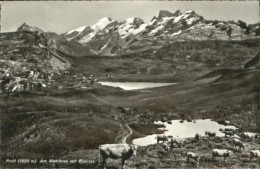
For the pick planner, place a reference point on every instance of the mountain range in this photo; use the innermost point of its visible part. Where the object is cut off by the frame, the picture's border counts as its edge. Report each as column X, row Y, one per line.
column 133, row 35
column 53, row 106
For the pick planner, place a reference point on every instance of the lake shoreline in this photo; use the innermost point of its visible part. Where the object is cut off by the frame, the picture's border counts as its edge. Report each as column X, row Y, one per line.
column 184, row 129
column 135, row 85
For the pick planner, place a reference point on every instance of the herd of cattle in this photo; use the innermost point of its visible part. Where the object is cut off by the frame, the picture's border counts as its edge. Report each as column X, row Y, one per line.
column 179, row 142
column 125, row 151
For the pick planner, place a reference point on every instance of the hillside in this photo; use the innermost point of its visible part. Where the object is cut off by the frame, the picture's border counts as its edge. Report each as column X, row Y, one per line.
column 28, row 62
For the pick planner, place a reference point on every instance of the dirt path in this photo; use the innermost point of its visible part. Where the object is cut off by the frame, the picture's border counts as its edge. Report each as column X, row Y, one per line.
column 121, row 134
column 124, row 139
column 149, row 68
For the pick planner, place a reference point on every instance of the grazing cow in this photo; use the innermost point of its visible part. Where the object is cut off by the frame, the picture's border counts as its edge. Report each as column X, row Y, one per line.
column 197, row 137
column 166, row 147
column 228, row 133
column 161, row 138
column 254, row 154
column 210, row 134
column 178, row 141
column 115, row 151
column 221, row 153
column 224, row 122
column 193, row 156
column 238, row 143
column 230, row 129
column 249, row 136
column 124, row 110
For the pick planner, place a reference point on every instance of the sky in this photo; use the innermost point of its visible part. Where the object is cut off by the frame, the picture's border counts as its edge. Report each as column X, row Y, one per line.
column 62, row 16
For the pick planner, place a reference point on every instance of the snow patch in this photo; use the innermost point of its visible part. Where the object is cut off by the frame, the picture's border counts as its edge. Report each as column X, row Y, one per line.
column 80, row 29
column 177, row 19
column 166, row 19
column 123, row 30
column 188, row 11
column 176, row 33
column 208, row 26
column 191, row 20
column 106, row 50
column 152, row 22
column 130, row 20
column 105, row 46
column 138, row 30
column 185, row 15
column 156, row 30
column 87, row 38
column 128, row 28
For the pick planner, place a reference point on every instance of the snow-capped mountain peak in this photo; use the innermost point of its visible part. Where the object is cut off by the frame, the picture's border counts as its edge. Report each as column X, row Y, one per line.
column 108, row 37
column 187, row 15
column 101, row 24
column 86, row 33
column 133, row 26
column 164, row 13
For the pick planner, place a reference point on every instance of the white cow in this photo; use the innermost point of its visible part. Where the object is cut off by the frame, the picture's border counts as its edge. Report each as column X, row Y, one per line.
column 115, row 151
column 221, row 153
column 249, row 136
column 254, row 154
column 31, row 74
column 193, row 156
column 166, row 146
column 238, row 143
column 178, row 141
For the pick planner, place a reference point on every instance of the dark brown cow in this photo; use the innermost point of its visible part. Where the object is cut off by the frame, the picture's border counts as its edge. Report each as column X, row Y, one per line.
column 162, row 138
column 254, row 154
column 197, row 137
column 210, row 134
column 228, row 133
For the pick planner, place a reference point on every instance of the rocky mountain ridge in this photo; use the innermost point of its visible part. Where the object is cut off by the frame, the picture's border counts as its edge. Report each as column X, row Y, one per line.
column 109, row 38
column 29, row 60
column 113, row 38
